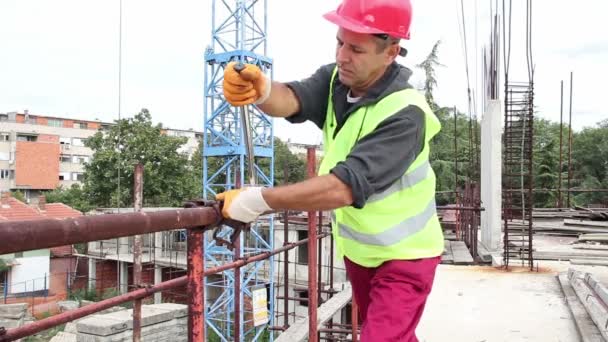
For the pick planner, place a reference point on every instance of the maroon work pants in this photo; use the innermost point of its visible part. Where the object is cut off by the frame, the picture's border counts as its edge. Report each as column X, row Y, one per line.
column 391, row 297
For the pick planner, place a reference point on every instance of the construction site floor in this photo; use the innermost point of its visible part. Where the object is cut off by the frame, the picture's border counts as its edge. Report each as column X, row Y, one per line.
column 487, row 304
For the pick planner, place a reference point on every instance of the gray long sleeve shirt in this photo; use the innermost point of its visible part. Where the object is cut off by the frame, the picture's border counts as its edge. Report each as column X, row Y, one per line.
column 380, row 158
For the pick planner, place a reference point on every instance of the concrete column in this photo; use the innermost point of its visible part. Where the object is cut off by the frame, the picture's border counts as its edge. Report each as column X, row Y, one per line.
column 491, row 176
column 123, row 276
column 92, row 274
column 123, row 246
column 158, row 245
column 158, row 278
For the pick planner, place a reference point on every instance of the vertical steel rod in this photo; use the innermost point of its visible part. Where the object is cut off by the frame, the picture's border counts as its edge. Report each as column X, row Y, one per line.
column 286, row 265
column 237, row 291
column 455, row 153
column 312, row 256
column 196, row 283
column 570, row 143
column 561, row 135
column 138, row 192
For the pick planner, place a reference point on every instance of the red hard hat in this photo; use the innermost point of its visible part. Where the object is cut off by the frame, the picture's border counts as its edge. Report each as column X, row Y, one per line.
column 392, row 17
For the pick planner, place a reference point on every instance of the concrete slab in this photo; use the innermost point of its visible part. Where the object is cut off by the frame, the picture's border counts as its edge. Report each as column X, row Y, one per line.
column 13, row 311
column 10, row 323
column 587, row 328
column 102, row 325
column 63, row 337
column 474, row 303
column 178, row 310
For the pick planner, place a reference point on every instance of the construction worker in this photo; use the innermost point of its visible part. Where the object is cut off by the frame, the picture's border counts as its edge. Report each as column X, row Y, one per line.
column 375, row 176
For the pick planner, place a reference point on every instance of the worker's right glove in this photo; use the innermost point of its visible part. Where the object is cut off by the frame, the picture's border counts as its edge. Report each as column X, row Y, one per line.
column 249, row 86
column 244, row 205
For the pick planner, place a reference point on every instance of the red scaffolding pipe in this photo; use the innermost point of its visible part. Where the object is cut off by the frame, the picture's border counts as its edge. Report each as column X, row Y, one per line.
column 313, row 298
column 138, row 203
column 47, row 323
column 196, row 285
column 18, row 236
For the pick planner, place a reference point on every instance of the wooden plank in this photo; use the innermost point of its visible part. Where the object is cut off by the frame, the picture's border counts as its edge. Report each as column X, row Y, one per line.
column 461, row 253
column 586, row 328
column 298, row 331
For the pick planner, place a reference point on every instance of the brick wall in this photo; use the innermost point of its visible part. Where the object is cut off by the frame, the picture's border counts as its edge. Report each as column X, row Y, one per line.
column 37, row 164
column 106, row 275
column 178, row 294
column 59, row 268
column 47, row 138
column 41, row 120
column 68, row 123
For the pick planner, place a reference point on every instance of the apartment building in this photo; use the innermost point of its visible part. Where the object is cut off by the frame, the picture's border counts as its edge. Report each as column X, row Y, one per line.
column 40, row 153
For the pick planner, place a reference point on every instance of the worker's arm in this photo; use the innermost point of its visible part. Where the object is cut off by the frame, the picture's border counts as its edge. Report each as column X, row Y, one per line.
column 282, row 101
column 319, row 193
column 298, row 101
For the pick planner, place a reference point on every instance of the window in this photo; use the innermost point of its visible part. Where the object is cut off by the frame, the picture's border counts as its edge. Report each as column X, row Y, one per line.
column 78, row 176
column 55, row 122
column 3, row 117
column 23, row 137
column 5, row 136
column 80, row 159
column 65, row 158
column 65, row 141
column 64, row 176
column 82, row 125
column 7, row 174
column 30, row 119
column 78, row 141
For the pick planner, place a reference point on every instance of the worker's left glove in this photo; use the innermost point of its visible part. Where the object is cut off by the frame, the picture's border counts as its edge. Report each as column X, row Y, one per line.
column 249, row 86
column 244, row 205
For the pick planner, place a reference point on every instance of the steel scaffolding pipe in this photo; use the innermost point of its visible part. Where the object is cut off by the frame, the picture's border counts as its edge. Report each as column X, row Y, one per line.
column 18, row 236
column 50, row 322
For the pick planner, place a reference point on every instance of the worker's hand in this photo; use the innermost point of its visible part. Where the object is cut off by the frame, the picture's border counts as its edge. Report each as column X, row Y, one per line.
column 244, row 205
column 249, row 86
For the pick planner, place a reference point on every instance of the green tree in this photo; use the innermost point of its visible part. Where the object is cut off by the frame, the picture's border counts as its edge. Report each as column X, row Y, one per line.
column 545, row 162
column 428, row 65
column 18, row 195
column 169, row 178
column 74, row 197
column 590, row 163
column 296, row 166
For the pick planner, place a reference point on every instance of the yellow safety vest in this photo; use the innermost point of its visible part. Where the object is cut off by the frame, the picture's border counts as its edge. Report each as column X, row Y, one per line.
column 400, row 222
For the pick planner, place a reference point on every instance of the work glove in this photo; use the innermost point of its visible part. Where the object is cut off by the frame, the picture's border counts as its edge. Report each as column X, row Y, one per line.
column 244, row 205
column 249, row 86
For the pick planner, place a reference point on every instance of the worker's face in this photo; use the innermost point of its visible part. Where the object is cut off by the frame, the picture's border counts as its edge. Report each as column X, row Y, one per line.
column 359, row 61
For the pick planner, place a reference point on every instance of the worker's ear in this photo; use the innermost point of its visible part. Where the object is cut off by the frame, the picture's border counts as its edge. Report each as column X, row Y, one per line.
column 391, row 53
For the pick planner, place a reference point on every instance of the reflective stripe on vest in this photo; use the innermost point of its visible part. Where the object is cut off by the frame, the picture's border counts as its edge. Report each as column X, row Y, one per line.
column 394, row 234
column 408, row 180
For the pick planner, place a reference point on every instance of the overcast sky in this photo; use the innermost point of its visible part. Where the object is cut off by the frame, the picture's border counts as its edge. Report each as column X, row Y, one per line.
column 60, row 57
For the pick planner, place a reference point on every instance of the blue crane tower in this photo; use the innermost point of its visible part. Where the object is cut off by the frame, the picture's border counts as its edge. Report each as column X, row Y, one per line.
column 239, row 33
